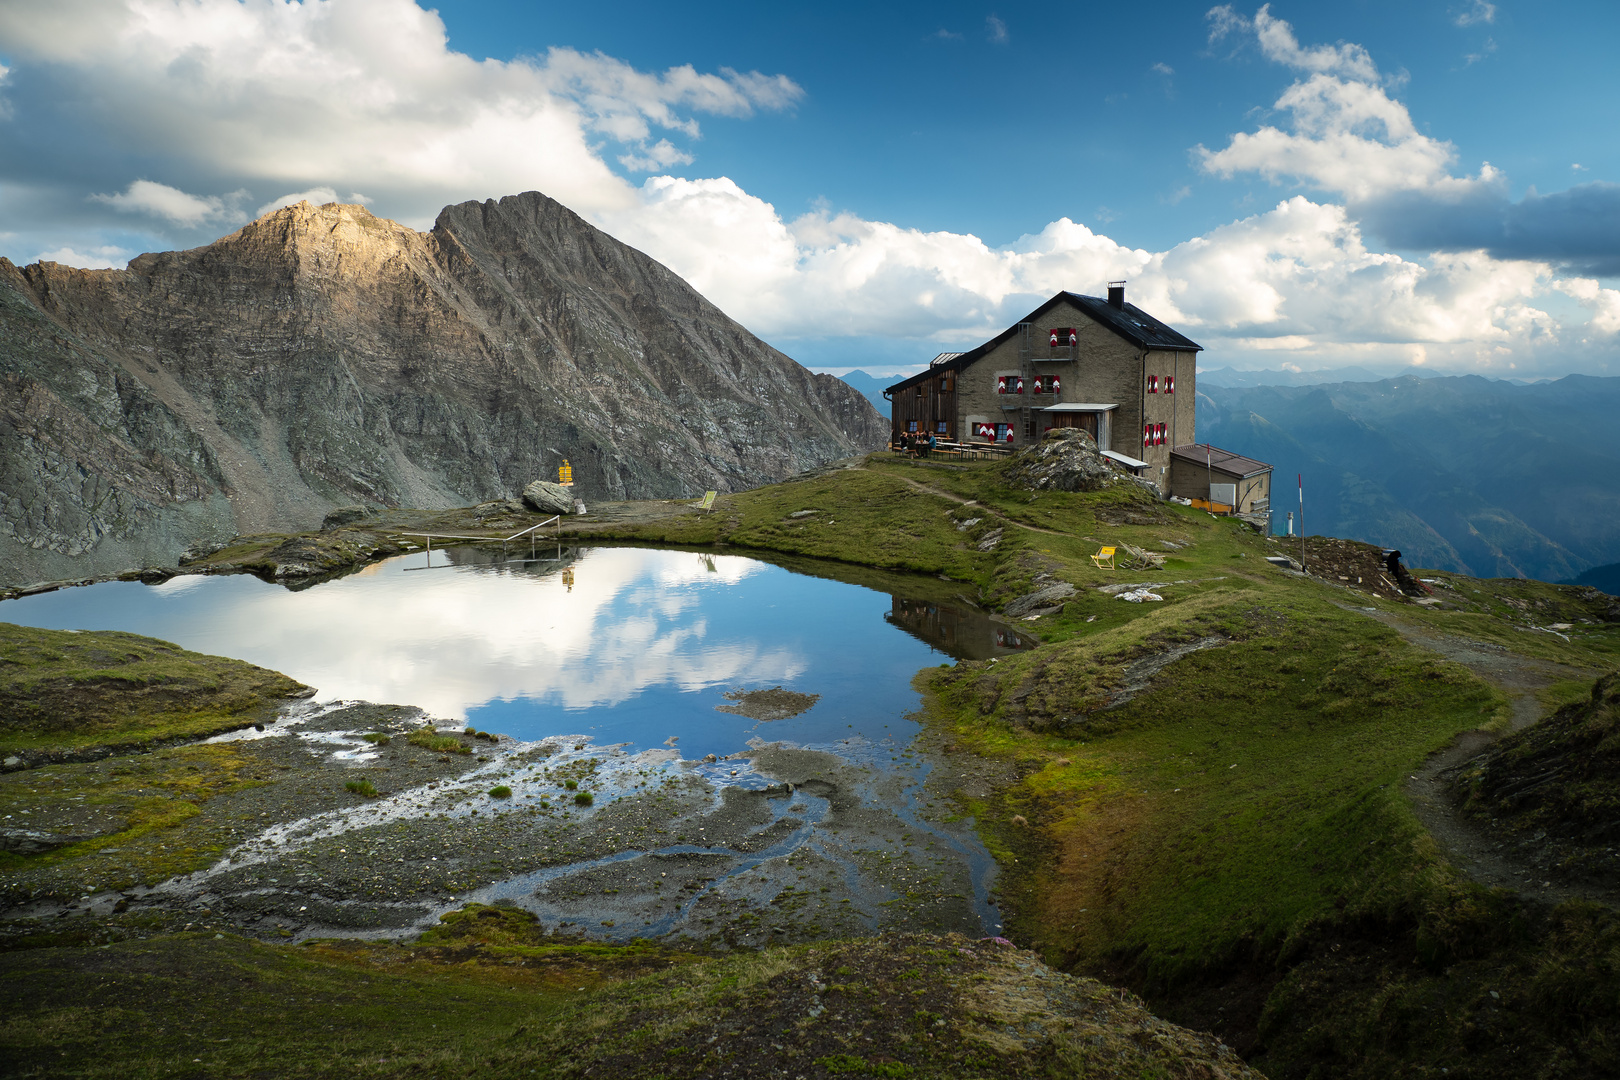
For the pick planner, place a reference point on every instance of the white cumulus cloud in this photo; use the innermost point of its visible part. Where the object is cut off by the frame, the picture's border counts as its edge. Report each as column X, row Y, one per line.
column 319, row 97
column 172, row 204
column 361, row 94
column 97, row 258
column 320, row 196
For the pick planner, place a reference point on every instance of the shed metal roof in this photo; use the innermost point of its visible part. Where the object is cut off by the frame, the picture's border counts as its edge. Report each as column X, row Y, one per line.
column 1223, row 460
column 1078, row 406
column 1124, row 459
column 1128, row 321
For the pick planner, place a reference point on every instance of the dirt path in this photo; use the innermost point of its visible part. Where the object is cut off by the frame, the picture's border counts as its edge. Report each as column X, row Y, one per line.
column 1470, row 845
column 928, row 489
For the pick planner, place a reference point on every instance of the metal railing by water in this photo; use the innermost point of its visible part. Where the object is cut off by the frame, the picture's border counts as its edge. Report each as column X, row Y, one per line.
column 504, row 540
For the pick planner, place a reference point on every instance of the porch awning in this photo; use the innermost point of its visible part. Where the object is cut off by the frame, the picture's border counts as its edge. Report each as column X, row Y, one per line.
column 1079, row 406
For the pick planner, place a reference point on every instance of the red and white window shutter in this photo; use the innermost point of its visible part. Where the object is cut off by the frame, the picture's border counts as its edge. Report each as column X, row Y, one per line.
column 1169, row 384
column 1062, row 336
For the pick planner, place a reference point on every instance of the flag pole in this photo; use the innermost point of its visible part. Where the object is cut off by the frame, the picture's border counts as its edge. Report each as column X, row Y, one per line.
column 1301, row 521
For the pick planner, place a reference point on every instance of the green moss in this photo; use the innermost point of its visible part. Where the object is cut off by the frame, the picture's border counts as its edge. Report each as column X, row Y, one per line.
column 150, row 804
column 500, row 791
column 361, row 787
column 584, row 798
column 376, row 737
column 61, row 689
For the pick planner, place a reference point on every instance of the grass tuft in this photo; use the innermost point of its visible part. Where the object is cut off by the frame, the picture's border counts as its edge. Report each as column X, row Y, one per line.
column 429, row 739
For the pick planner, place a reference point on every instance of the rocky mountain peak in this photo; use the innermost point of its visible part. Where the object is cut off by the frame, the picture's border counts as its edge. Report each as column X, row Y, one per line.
column 323, row 356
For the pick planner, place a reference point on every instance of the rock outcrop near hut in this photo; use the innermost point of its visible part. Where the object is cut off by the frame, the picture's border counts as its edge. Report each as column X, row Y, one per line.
column 323, row 356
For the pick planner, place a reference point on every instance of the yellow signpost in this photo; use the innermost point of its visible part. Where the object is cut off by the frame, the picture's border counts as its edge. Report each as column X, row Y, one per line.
column 565, row 474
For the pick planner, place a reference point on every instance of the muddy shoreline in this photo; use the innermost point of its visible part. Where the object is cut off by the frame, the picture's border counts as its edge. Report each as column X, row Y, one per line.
column 771, row 844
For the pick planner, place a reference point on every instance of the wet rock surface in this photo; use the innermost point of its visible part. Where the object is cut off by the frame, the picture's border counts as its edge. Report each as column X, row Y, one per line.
column 280, row 838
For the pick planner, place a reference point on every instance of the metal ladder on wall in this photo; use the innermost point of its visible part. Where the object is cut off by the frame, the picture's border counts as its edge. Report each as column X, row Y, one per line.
column 1026, row 371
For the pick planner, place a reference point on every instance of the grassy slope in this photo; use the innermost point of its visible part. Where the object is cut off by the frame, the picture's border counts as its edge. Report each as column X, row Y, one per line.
column 487, row 995
column 1234, row 841
column 63, row 689
column 1238, row 823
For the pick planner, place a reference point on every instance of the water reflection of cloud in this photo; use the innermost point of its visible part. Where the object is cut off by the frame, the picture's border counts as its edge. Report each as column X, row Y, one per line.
column 451, row 639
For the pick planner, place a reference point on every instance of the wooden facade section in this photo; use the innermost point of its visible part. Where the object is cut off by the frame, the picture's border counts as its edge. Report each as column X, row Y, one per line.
column 927, row 407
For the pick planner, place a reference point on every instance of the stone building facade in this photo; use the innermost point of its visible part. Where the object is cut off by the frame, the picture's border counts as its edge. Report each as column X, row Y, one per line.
column 1076, row 361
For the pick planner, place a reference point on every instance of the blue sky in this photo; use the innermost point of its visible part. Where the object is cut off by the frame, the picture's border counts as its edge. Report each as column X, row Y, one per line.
column 1306, row 186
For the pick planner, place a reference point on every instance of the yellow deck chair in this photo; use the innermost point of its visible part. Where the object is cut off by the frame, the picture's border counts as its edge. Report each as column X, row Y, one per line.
column 708, row 500
column 1104, row 559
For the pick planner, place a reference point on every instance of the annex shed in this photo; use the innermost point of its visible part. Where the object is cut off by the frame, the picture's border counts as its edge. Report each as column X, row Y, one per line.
column 1202, row 471
column 1090, row 362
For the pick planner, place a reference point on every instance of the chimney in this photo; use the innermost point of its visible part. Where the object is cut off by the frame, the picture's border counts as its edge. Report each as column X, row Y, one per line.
column 1116, row 294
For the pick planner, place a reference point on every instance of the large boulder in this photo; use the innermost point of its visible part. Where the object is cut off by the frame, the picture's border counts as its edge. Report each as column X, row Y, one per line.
column 549, row 498
column 1066, row 460
column 340, row 516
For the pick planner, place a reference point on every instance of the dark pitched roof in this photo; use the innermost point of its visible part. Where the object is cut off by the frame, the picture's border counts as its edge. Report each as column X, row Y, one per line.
column 1129, row 322
column 1224, row 460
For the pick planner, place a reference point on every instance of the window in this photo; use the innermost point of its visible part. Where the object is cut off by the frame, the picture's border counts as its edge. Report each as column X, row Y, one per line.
column 1004, row 433
column 1159, row 435
column 1153, row 384
column 911, row 425
column 982, row 430
column 1169, row 384
column 1010, row 384
column 940, row 428
column 919, row 389
column 1062, row 337
column 946, row 383
column 1046, row 384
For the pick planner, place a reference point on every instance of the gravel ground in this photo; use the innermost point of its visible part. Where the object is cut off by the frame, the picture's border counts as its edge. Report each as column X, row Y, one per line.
column 773, row 844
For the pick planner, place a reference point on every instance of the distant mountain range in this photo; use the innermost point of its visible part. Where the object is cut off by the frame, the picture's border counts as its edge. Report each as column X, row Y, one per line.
column 1461, row 473
column 1225, row 376
column 871, row 388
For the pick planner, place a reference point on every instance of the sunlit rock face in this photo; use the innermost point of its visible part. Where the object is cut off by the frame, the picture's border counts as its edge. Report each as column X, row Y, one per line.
column 323, row 356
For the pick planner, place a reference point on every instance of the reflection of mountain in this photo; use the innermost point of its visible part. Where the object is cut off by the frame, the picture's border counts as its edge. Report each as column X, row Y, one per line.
column 1464, row 474
column 961, row 633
